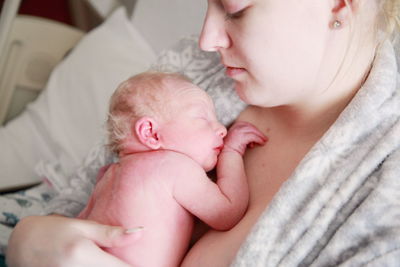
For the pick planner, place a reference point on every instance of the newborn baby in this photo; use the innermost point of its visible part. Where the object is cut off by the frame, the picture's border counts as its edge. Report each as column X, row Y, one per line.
column 166, row 134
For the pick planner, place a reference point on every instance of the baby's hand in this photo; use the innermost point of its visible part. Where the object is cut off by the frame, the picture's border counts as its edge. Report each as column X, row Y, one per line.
column 240, row 135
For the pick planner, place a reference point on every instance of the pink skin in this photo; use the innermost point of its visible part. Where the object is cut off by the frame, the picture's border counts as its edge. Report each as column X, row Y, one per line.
column 165, row 181
column 241, row 135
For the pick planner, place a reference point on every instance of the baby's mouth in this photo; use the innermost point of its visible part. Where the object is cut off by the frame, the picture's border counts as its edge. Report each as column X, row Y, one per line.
column 219, row 148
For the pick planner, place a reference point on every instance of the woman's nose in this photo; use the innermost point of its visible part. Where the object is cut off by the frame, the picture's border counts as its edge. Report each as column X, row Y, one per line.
column 213, row 36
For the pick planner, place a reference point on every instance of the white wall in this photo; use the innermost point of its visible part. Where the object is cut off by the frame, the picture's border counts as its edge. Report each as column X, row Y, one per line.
column 163, row 22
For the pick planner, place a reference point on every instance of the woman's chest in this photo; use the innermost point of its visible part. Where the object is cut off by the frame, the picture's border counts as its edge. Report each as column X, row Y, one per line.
column 265, row 176
column 267, row 168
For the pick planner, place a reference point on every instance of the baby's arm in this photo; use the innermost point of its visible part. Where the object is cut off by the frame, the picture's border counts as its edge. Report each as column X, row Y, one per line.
column 223, row 204
column 231, row 176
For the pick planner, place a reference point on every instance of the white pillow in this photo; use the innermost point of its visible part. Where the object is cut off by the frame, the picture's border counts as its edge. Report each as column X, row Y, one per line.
column 162, row 23
column 67, row 118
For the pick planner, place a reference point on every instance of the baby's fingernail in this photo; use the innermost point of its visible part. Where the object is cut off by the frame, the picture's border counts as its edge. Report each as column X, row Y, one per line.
column 134, row 230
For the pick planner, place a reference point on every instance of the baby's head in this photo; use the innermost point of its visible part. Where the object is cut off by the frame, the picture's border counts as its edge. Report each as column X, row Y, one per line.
column 156, row 110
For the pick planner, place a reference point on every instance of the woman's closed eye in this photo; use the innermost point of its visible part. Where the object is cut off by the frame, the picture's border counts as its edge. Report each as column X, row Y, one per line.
column 235, row 15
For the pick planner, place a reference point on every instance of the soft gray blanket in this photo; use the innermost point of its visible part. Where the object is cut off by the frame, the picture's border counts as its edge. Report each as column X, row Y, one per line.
column 341, row 206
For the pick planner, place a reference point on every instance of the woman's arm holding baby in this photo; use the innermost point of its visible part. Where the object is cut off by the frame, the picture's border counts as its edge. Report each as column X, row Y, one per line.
column 60, row 241
column 220, row 205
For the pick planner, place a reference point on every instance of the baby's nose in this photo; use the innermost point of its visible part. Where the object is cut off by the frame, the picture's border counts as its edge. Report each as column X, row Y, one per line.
column 221, row 130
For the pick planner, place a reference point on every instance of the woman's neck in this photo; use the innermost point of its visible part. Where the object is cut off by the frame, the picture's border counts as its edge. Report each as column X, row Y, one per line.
column 308, row 120
column 313, row 116
column 307, row 124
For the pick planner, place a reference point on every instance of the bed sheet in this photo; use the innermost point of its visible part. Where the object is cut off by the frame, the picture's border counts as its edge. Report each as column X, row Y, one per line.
column 15, row 206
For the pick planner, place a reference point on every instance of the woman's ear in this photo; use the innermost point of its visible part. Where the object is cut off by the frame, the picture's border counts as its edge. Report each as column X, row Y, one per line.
column 146, row 129
column 343, row 12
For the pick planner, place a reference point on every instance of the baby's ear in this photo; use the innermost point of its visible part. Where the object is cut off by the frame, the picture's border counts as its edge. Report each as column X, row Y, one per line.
column 146, row 129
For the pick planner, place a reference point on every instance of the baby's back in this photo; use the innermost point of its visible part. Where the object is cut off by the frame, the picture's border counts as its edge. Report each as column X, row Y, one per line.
column 137, row 191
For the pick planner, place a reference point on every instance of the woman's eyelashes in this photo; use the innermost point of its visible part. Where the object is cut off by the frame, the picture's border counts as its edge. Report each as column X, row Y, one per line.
column 235, row 15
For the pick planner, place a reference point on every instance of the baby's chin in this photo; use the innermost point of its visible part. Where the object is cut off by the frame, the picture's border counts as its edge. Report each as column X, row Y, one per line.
column 207, row 169
column 210, row 167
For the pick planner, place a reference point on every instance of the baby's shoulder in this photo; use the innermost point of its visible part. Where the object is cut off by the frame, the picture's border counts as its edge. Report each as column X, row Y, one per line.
column 178, row 160
column 167, row 160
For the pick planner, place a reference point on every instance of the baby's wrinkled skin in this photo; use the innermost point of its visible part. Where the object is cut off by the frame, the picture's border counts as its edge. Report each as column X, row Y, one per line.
column 163, row 189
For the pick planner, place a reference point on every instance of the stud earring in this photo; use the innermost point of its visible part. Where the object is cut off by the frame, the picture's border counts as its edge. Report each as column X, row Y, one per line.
column 336, row 24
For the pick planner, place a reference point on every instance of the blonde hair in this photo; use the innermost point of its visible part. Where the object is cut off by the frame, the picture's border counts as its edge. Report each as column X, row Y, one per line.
column 390, row 12
column 145, row 94
column 385, row 20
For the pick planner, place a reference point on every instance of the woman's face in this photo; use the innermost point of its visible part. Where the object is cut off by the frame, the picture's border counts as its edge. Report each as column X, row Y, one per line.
column 273, row 49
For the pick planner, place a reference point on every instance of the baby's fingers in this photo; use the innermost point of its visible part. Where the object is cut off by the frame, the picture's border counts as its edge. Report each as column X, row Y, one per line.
column 257, row 140
column 254, row 131
column 252, row 134
column 260, row 138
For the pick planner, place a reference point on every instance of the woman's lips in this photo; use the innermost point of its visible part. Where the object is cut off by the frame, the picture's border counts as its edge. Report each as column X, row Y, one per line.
column 232, row 71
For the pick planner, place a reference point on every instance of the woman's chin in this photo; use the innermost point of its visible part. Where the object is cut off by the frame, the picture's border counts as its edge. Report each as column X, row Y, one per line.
column 240, row 91
column 249, row 95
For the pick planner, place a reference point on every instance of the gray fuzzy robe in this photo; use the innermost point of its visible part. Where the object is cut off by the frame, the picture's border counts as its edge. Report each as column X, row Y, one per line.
column 341, row 206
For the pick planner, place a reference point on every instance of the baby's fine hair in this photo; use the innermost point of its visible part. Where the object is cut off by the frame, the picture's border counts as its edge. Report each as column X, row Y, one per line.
column 145, row 94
